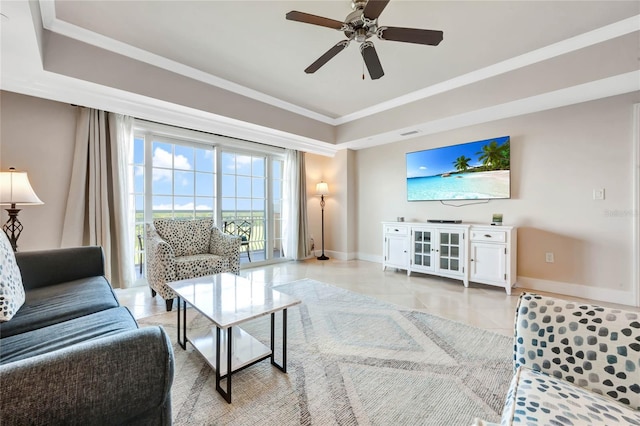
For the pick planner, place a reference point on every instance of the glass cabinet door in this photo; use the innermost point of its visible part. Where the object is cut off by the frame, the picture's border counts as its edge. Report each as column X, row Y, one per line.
column 422, row 247
column 450, row 251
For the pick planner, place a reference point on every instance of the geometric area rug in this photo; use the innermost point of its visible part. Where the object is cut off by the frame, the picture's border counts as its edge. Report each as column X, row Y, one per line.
column 351, row 360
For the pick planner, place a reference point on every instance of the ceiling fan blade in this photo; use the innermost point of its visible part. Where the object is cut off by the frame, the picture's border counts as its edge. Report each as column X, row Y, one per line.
column 329, row 54
column 410, row 35
column 374, row 8
column 308, row 18
column 370, row 57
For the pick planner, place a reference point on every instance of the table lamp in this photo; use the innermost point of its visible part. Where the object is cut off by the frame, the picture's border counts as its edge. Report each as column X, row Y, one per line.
column 15, row 189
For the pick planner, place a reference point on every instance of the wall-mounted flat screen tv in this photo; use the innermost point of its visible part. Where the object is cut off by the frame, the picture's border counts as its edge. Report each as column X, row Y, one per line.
column 470, row 171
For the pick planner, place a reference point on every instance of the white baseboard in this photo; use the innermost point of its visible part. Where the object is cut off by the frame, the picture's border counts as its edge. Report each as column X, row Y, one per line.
column 369, row 258
column 340, row 255
column 575, row 290
column 337, row 255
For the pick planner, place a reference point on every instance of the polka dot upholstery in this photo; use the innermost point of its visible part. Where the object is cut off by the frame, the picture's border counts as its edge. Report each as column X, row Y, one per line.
column 203, row 248
column 574, row 364
column 186, row 237
column 593, row 347
column 538, row 399
column 12, row 295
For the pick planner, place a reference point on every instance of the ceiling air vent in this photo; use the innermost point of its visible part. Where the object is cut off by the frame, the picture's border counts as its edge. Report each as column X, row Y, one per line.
column 409, row 133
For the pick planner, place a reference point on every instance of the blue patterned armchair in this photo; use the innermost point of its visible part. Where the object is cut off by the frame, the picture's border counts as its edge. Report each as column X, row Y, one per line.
column 180, row 249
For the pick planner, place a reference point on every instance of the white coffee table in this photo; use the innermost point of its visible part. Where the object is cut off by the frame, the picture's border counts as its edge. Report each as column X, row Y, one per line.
column 228, row 300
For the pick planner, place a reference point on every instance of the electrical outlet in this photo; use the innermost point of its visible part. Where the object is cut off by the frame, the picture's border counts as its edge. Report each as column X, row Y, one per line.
column 549, row 257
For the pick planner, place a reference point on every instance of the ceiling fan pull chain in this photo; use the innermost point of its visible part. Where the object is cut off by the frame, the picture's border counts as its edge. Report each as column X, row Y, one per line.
column 363, row 69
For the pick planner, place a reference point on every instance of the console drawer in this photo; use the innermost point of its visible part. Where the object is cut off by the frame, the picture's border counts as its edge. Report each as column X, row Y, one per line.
column 396, row 230
column 495, row 236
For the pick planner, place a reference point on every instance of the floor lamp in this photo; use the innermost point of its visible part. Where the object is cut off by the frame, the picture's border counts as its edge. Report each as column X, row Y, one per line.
column 15, row 189
column 322, row 189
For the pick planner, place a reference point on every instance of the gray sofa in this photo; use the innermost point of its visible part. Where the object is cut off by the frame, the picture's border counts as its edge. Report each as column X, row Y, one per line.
column 73, row 355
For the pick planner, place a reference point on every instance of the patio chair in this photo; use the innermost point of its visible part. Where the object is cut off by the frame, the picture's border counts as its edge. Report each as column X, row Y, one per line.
column 242, row 230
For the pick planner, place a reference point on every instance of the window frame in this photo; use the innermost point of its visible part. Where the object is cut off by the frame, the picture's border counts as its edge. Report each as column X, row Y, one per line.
column 153, row 132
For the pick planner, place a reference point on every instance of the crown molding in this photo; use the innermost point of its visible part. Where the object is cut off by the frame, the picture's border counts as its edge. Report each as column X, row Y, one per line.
column 606, row 87
column 52, row 23
column 65, row 89
column 608, row 32
column 590, row 38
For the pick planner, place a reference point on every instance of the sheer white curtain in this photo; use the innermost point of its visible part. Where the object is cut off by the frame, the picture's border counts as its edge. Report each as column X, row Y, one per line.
column 294, row 214
column 121, row 129
column 97, row 210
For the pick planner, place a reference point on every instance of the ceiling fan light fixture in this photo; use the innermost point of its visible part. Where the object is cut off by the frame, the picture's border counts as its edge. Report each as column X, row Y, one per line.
column 361, row 35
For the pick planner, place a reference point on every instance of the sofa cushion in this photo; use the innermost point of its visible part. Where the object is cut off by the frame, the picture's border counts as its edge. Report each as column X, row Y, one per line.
column 186, row 237
column 49, row 305
column 11, row 289
column 65, row 334
column 537, row 398
column 200, row 265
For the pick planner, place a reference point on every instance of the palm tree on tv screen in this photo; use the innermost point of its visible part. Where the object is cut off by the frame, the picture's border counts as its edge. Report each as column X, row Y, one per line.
column 491, row 156
column 462, row 163
column 505, row 155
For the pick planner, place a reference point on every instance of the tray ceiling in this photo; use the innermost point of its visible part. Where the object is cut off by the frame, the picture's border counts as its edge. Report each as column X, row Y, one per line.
column 248, row 48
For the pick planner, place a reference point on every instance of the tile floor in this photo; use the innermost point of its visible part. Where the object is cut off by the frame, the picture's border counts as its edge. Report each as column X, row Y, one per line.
column 482, row 306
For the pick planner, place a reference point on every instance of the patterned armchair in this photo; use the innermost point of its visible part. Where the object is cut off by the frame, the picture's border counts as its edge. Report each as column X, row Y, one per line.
column 574, row 363
column 180, row 249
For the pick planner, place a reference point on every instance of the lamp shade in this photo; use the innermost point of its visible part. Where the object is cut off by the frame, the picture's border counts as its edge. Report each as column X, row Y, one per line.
column 16, row 189
column 322, row 188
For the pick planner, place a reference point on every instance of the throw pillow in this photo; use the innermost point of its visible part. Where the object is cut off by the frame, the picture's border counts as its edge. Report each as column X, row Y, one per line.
column 11, row 289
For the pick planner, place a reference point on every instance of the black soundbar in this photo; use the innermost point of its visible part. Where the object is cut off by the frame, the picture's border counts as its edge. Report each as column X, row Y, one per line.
column 443, row 221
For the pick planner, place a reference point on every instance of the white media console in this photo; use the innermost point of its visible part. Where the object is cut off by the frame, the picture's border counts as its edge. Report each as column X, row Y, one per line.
column 468, row 252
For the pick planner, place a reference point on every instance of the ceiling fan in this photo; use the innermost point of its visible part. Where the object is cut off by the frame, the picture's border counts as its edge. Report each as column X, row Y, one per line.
column 360, row 25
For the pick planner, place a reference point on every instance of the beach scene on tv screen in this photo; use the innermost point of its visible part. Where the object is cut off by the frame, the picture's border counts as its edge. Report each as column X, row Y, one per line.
column 474, row 170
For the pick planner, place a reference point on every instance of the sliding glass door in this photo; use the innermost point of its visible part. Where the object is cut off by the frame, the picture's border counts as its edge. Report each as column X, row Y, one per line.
column 182, row 178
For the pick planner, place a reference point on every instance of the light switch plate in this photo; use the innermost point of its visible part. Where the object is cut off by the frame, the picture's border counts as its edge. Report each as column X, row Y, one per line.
column 598, row 194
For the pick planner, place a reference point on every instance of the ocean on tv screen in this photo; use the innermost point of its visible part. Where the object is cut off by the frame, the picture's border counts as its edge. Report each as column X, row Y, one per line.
column 469, row 171
column 460, row 186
